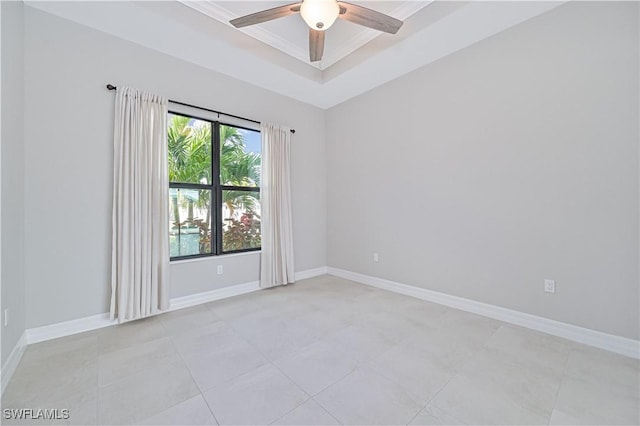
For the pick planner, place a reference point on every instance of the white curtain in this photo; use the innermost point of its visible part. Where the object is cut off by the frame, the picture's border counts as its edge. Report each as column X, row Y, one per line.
column 140, row 250
column 276, row 267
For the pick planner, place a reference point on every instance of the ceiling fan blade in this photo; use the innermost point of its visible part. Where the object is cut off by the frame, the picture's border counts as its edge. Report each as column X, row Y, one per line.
column 316, row 44
column 266, row 15
column 368, row 18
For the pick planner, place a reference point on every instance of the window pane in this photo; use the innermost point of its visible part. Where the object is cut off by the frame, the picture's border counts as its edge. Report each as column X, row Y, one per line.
column 189, row 221
column 240, row 220
column 189, row 152
column 240, row 156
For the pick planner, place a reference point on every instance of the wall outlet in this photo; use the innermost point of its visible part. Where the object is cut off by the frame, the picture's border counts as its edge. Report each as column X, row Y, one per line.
column 6, row 317
column 376, row 257
column 550, row 286
column 220, row 270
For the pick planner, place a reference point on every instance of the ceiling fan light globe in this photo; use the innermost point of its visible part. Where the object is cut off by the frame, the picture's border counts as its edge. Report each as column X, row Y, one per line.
column 319, row 14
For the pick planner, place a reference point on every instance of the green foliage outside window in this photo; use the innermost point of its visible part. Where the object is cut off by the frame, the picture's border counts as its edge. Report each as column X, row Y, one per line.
column 190, row 162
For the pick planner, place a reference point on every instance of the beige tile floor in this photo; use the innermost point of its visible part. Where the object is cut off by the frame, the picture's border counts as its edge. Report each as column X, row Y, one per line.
column 321, row 352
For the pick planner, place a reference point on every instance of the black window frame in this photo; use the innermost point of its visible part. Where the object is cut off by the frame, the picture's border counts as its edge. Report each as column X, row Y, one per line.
column 216, row 189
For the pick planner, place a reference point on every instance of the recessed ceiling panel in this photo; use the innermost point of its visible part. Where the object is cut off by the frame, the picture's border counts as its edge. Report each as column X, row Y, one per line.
column 290, row 34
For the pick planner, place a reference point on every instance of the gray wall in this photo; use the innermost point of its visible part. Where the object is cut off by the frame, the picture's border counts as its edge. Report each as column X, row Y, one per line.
column 512, row 161
column 509, row 162
column 13, row 290
column 69, row 163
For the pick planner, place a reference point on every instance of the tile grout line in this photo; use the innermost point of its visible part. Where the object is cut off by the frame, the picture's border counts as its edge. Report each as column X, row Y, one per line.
column 326, row 411
column 416, row 415
column 189, row 369
column 310, row 397
column 165, row 335
column 272, row 362
column 457, row 373
column 562, row 378
column 327, row 387
column 325, row 408
column 269, row 361
column 173, row 343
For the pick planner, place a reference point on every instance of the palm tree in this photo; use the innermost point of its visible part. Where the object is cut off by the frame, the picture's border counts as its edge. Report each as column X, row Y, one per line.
column 189, row 158
column 238, row 168
column 189, row 161
column 189, row 150
column 178, row 138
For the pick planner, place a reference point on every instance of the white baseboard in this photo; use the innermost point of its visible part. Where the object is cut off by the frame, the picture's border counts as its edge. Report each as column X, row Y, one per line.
column 67, row 328
column 310, row 273
column 94, row 322
column 210, row 296
column 12, row 362
column 610, row 342
column 621, row 345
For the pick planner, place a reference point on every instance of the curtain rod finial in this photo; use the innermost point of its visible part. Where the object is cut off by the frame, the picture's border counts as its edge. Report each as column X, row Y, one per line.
column 111, row 87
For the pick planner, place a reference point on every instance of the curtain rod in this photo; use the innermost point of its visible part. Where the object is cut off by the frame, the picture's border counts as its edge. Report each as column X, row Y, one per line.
column 112, row 87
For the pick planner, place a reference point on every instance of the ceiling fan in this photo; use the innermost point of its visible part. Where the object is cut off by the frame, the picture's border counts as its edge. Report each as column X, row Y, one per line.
column 319, row 16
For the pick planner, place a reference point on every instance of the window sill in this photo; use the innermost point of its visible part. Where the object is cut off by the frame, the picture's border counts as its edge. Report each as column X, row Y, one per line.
column 215, row 258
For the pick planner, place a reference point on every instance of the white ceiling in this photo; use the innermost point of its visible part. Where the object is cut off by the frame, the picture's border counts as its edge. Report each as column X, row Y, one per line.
column 291, row 34
column 274, row 55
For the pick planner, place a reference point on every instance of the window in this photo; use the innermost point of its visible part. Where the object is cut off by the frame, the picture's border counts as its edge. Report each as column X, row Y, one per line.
column 214, row 187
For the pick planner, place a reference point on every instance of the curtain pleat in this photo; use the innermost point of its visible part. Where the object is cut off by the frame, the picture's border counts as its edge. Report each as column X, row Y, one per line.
column 140, row 238
column 276, row 264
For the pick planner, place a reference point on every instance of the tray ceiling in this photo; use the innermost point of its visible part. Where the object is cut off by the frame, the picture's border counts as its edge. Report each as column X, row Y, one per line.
column 290, row 34
column 274, row 55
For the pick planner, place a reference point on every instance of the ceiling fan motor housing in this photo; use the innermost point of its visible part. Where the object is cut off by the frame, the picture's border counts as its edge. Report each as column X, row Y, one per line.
column 319, row 14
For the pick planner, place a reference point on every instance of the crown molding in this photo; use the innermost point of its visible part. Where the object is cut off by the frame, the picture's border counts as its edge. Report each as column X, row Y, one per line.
column 365, row 35
column 224, row 15
column 344, row 48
